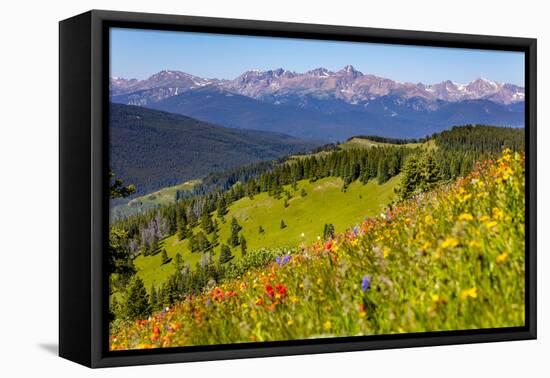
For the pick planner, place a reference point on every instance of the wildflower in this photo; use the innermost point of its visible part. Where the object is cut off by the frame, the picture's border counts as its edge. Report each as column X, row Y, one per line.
column 502, row 257
column 327, row 325
column 469, row 293
column 290, row 322
column 269, row 290
column 490, row 224
column 435, row 298
column 355, row 230
column 450, row 242
column 465, row 217
column 428, row 219
column 328, row 245
column 497, row 213
column 484, row 218
column 281, row 289
column 365, row 283
column 302, row 234
column 386, row 252
column 474, row 244
column 259, row 301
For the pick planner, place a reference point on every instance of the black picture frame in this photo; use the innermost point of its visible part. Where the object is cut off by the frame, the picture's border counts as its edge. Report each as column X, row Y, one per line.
column 83, row 181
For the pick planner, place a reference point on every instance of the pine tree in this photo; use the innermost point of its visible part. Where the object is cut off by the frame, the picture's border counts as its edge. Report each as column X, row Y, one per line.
column 202, row 242
column 328, row 231
column 164, row 257
column 206, row 222
column 182, row 228
column 225, row 254
column 153, row 298
column 283, row 224
column 215, row 240
column 243, row 245
column 221, row 207
column 303, row 192
column 383, row 174
column 235, row 228
column 136, row 303
column 178, row 262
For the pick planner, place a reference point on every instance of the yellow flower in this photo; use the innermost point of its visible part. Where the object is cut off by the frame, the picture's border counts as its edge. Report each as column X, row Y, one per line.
column 386, row 252
column 497, row 213
column 290, row 322
column 502, row 257
column 484, row 218
column 428, row 219
column 474, row 244
column 426, row 245
column 327, row 325
column 465, row 217
column 469, row 293
column 490, row 224
column 449, row 243
column 354, row 242
column 319, row 281
column 435, row 297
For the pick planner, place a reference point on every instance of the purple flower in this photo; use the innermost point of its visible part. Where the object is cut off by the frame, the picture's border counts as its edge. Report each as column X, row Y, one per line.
column 355, row 230
column 282, row 261
column 365, row 284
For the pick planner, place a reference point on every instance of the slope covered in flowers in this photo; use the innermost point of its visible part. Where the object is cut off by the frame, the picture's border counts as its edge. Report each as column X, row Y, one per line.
column 449, row 259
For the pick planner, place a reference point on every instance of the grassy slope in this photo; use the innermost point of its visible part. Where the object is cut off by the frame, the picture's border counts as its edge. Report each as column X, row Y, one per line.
column 324, row 203
column 452, row 261
column 148, row 201
column 366, row 143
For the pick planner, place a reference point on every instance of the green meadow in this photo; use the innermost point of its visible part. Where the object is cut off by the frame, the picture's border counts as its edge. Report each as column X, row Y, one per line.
column 305, row 216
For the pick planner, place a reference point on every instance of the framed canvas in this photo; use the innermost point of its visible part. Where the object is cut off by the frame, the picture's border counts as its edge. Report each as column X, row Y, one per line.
column 236, row 188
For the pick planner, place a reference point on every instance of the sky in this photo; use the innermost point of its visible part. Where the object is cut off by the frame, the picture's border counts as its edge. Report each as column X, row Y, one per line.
column 142, row 53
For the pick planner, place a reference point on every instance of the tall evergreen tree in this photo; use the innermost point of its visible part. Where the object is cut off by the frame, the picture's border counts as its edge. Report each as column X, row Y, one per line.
column 164, row 257
column 206, row 222
column 235, row 228
column 225, row 254
column 136, row 301
column 182, row 228
column 244, row 247
column 221, row 207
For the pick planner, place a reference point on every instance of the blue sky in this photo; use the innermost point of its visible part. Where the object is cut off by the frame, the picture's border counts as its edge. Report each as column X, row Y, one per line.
column 141, row 53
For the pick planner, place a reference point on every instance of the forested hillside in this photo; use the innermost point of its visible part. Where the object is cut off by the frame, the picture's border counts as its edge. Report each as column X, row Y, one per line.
column 153, row 149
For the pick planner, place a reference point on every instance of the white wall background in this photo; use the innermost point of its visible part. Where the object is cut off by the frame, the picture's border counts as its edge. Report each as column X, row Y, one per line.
column 29, row 186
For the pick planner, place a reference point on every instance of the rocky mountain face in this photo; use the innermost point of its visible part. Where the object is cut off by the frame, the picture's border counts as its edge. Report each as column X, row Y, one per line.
column 347, row 84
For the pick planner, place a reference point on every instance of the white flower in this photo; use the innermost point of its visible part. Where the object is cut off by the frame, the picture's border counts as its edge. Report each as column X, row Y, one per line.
column 302, row 234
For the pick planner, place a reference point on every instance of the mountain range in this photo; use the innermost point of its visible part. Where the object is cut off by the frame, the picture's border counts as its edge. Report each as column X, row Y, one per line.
column 324, row 104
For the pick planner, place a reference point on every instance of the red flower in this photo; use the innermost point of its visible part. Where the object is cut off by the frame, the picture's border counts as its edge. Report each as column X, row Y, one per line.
column 281, row 289
column 218, row 294
column 328, row 245
column 269, row 290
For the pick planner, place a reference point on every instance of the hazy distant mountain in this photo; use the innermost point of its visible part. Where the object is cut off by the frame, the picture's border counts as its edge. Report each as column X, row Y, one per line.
column 323, row 104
